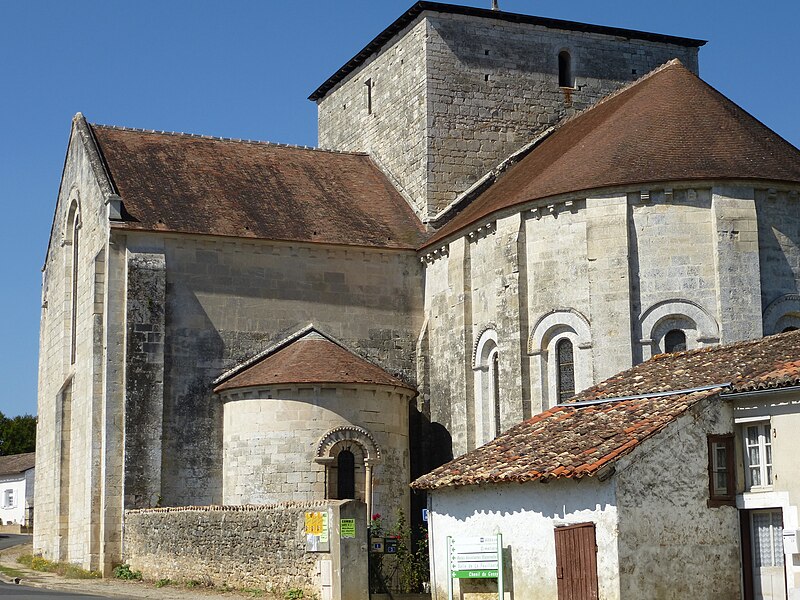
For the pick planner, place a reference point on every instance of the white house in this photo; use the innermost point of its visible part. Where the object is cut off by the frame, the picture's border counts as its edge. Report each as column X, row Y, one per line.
column 16, row 489
column 675, row 479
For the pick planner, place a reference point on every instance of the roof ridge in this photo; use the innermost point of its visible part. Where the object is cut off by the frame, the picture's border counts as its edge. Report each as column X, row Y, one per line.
column 225, row 139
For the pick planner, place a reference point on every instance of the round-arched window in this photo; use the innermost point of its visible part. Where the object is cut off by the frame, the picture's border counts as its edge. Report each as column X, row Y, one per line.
column 674, row 341
column 346, row 475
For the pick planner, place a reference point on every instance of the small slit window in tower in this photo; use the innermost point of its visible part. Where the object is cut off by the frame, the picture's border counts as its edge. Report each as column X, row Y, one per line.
column 565, row 70
column 368, row 83
column 674, row 341
column 346, row 475
column 565, row 367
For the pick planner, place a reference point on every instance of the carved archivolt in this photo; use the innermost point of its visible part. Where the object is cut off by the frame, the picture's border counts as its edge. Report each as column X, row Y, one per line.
column 350, row 433
column 556, row 322
column 679, row 310
column 786, row 308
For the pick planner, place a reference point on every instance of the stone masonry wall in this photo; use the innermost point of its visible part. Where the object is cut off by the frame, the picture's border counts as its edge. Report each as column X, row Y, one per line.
column 240, row 546
column 493, row 86
column 393, row 132
column 454, row 95
column 70, row 394
column 600, row 270
column 271, row 436
column 228, row 300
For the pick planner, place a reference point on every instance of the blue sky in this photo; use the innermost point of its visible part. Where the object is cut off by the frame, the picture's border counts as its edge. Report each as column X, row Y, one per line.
column 244, row 70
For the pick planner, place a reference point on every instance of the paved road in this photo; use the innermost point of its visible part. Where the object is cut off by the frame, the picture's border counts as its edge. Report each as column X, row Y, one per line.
column 21, row 592
column 8, row 539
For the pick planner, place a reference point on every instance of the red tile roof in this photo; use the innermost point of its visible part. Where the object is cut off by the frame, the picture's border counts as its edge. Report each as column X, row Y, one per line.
column 196, row 184
column 668, row 126
column 308, row 357
column 14, row 464
column 577, row 439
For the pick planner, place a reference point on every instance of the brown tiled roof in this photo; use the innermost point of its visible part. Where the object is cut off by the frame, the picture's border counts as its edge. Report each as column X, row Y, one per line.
column 606, row 421
column 17, row 463
column 308, row 358
column 769, row 362
column 668, row 126
column 565, row 441
column 196, row 184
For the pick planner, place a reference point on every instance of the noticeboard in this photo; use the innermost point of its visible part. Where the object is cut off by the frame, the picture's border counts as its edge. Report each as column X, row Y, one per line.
column 347, row 528
column 479, row 557
column 316, row 528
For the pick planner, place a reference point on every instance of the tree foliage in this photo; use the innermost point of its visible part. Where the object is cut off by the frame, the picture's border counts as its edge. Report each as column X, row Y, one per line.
column 17, row 435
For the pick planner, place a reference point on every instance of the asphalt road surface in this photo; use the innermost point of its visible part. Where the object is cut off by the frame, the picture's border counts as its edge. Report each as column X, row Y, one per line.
column 21, row 592
column 7, row 540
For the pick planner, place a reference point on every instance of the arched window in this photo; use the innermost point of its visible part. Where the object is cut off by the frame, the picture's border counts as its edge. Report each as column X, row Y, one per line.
column 495, row 369
column 674, row 341
column 565, row 368
column 487, row 408
column 72, row 243
column 346, row 475
column 565, row 70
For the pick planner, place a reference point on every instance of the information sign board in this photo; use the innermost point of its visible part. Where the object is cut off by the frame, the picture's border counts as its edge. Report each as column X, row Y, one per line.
column 317, row 539
column 347, row 528
column 478, row 557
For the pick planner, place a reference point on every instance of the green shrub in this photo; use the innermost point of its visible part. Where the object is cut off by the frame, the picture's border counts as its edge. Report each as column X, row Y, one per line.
column 124, row 571
column 163, row 582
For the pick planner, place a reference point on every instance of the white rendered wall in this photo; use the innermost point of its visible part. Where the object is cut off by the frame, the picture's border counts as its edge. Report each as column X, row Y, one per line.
column 14, row 514
column 525, row 515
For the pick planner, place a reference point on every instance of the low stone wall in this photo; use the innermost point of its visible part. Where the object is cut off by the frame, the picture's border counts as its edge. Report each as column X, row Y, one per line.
column 240, row 546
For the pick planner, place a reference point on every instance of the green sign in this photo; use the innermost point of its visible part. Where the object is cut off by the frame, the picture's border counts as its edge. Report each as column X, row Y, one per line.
column 347, row 527
column 481, row 574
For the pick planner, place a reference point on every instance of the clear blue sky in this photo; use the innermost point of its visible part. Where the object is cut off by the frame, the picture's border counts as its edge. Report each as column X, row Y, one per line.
column 244, row 69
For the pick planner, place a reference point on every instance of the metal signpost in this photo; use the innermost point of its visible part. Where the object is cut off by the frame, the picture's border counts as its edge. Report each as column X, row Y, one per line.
column 475, row 558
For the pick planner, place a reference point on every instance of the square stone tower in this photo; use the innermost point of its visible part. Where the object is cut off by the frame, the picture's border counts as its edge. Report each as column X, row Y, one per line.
column 446, row 92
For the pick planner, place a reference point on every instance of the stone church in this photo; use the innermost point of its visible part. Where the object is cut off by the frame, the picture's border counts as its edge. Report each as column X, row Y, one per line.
column 503, row 209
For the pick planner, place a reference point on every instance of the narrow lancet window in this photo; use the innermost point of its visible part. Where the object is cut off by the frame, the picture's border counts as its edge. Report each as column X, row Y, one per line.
column 495, row 367
column 566, row 369
column 346, row 475
column 565, row 70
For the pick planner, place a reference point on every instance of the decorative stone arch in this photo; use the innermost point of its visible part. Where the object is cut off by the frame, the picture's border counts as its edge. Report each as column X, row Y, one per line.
column 781, row 313
column 485, row 365
column 700, row 327
column 72, row 218
column 347, row 433
column 70, row 241
column 549, row 330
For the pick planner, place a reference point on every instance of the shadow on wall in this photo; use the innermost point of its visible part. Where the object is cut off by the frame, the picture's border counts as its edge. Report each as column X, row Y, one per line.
column 192, row 450
column 431, row 446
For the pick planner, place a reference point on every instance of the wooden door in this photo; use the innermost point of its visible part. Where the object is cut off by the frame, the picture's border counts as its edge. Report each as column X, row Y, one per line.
column 576, row 562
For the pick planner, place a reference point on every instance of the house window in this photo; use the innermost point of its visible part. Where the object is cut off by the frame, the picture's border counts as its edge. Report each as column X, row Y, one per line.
column 565, row 70
column 674, row 341
column 721, row 479
column 565, row 368
column 767, row 538
column 8, row 499
column 758, row 455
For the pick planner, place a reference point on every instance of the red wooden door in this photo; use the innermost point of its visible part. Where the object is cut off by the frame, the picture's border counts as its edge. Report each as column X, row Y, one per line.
column 576, row 562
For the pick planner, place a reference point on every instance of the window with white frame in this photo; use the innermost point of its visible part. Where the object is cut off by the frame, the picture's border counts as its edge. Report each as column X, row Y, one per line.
column 757, row 444
column 767, row 538
column 8, row 499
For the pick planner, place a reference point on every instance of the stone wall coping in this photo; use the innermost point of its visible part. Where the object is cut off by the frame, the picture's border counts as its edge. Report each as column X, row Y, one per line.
column 237, row 507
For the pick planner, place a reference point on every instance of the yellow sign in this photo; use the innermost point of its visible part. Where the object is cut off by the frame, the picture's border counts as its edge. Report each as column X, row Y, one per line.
column 315, row 523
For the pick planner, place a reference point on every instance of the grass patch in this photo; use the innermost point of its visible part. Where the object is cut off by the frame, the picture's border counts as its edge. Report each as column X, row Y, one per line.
column 163, row 582
column 11, row 572
column 37, row 563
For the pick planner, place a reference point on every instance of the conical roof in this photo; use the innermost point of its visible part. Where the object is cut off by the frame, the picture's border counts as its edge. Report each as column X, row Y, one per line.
column 309, row 357
column 668, row 126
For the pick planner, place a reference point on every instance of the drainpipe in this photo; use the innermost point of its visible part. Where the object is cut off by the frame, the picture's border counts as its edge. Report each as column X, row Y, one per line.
column 368, row 494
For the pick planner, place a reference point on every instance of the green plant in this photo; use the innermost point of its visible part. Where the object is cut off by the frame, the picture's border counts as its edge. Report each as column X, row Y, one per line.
column 163, row 582
column 294, row 594
column 409, row 568
column 193, row 583
column 38, row 563
column 124, row 571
